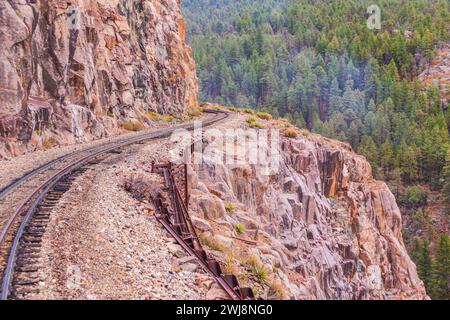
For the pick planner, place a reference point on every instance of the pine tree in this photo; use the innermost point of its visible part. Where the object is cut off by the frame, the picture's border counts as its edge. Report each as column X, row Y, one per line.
column 416, row 251
column 425, row 264
column 372, row 107
column 386, row 156
column 439, row 283
column 446, row 188
column 369, row 149
column 408, row 163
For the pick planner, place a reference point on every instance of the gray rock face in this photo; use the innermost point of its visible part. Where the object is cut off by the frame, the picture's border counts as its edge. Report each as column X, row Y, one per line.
column 333, row 229
column 73, row 69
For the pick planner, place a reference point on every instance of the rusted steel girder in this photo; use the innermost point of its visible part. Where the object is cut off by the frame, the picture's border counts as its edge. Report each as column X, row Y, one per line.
column 175, row 218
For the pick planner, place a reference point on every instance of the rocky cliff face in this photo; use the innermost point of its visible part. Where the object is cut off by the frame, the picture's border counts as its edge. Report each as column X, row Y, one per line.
column 74, row 69
column 324, row 227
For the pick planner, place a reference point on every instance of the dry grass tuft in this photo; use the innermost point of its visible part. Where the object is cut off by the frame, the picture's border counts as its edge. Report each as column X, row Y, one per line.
column 132, row 125
column 254, row 263
column 196, row 112
column 249, row 111
column 213, row 243
column 291, row 133
column 153, row 116
column 254, row 123
column 49, row 143
column 168, row 118
column 279, row 289
column 264, row 115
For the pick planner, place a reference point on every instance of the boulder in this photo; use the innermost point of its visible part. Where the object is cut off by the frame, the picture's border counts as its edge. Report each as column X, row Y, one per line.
column 201, row 224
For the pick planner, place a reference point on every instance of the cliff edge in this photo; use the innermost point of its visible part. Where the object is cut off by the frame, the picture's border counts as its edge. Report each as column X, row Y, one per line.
column 321, row 227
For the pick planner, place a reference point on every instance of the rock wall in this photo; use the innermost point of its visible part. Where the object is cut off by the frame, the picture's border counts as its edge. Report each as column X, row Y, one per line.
column 74, row 69
column 325, row 228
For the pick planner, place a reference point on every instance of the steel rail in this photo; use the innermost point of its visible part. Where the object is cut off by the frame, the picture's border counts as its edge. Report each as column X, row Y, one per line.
column 6, row 190
column 10, row 187
column 40, row 192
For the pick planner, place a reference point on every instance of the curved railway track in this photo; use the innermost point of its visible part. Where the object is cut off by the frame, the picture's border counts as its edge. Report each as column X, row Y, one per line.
column 23, row 225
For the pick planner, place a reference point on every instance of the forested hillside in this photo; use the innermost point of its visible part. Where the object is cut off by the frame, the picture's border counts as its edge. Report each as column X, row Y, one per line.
column 317, row 64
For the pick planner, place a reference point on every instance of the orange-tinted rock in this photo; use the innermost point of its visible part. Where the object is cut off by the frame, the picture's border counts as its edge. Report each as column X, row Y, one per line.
column 336, row 230
column 120, row 59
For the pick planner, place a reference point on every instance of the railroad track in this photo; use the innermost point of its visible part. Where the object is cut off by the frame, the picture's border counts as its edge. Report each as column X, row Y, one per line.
column 23, row 225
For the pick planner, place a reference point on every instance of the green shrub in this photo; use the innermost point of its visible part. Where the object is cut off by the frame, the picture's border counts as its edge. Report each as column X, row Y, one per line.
column 415, row 197
column 240, row 228
column 418, row 218
column 260, row 272
column 254, row 263
column 230, row 207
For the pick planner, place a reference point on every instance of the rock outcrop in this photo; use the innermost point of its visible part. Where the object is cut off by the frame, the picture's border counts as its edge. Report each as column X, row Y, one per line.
column 324, row 227
column 437, row 73
column 74, row 69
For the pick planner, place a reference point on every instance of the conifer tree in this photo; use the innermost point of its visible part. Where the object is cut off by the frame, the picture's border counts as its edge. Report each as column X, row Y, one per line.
column 439, row 282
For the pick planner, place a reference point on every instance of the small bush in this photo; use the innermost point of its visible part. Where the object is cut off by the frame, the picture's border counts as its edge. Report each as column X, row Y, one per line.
column 291, row 133
column 256, row 266
column 418, row 218
column 415, row 197
column 230, row 267
column 195, row 113
column 240, row 228
column 230, row 207
column 131, row 126
column 212, row 243
column 264, row 115
column 38, row 132
column 260, row 272
column 251, row 119
column 49, row 143
column 254, row 123
column 279, row 289
column 304, row 132
column 249, row 111
column 168, row 118
column 154, row 116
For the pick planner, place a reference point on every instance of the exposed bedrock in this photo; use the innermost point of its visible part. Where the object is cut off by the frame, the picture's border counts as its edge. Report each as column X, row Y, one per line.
column 327, row 229
column 72, row 70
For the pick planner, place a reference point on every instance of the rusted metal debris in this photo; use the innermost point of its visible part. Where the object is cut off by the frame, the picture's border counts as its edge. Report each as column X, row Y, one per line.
column 175, row 218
